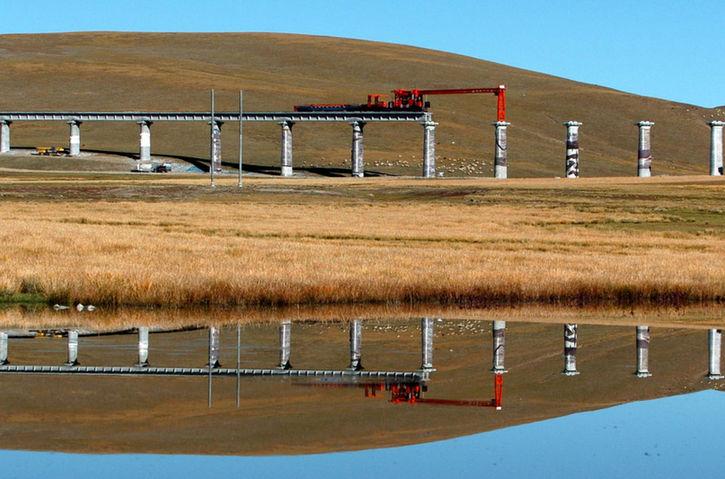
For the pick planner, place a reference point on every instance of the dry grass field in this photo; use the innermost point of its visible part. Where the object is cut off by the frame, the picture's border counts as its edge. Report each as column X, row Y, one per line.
column 175, row 242
column 174, row 71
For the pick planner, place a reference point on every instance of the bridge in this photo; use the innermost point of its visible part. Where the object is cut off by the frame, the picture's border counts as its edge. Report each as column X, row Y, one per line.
column 286, row 120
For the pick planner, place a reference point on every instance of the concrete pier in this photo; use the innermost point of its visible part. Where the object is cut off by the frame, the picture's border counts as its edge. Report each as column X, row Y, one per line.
column 143, row 347
column 286, row 148
column 500, row 154
column 75, row 137
column 216, row 145
column 426, row 343
column 714, row 348
column 357, row 151
column 571, row 167
column 72, row 349
column 644, row 151
column 3, row 348
column 429, row 147
column 499, row 347
column 643, row 352
column 716, row 151
column 285, row 344
column 570, row 345
column 144, row 149
column 214, row 347
column 356, row 345
column 4, row 136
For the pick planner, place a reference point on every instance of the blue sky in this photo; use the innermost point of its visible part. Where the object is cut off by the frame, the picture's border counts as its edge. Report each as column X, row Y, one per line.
column 672, row 49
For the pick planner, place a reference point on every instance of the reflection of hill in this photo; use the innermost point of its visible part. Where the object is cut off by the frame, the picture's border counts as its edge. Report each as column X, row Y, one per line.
column 170, row 415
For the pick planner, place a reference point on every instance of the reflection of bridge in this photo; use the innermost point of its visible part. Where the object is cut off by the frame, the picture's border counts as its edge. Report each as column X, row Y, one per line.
column 354, row 369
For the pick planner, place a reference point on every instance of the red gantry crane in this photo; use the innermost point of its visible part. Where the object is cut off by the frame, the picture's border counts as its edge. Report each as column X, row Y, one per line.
column 410, row 100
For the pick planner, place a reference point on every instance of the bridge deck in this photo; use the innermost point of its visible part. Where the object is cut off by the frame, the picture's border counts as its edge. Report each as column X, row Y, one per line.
column 340, row 116
column 156, row 371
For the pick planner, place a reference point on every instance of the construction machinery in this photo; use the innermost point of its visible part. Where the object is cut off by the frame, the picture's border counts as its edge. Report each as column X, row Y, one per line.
column 409, row 100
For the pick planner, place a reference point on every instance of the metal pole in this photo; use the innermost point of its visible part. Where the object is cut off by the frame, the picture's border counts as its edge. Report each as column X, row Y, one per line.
column 211, row 142
column 241, row 110
column 209, row 366
column 239, row 359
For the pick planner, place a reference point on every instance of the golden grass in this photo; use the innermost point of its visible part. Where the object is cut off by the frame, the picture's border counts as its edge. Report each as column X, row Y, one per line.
column 472, row 242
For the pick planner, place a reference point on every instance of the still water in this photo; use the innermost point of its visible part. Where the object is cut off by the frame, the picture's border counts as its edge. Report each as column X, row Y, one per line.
column 428, row 395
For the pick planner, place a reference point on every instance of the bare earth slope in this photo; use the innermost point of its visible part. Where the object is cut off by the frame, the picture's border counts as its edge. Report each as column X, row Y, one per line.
column 173, row 71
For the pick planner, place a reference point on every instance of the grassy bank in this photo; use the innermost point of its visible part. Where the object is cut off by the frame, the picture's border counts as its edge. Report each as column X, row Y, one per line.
column 112, row 240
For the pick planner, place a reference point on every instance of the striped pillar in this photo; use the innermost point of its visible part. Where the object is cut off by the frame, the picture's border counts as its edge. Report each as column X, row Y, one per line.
column 356, row 345
column 499, row 347
column 570, row 346
column 286, row 148
column 285, row 344
column 643, row 352
column 644, row 151
column 500, row 155
column 357, row 152
column 716, row 151
column 714, row 343
column 216, row 145
column 429, row 147
column 426, row 343
column 571, row 167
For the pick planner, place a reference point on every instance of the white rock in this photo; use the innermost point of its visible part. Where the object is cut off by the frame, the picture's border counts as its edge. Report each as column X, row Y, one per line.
column 90, row 307
column 79, row 307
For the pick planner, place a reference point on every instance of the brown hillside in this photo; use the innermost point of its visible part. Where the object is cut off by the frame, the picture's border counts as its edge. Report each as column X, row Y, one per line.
column 173, row 71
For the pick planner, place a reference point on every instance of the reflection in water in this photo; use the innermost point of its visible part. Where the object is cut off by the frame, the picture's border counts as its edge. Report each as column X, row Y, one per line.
column 329, row 360
column 714, row 344
column 570, row 339
column 499, row 347
column 643, row 352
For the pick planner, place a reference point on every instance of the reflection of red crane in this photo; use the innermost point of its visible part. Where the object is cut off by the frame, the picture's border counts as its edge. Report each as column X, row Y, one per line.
column 409, row 100
column 410, row 393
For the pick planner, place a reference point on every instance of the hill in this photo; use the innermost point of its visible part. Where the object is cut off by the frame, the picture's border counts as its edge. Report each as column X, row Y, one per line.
column 174, row 71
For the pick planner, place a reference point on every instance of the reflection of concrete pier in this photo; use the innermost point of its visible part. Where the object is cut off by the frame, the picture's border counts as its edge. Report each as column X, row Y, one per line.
column 570, row 346
column 214, row 347
column 499, row 347
column 3, row 348
column 426, row 343
column 356, row 345
column 643, row 352
column 285, row 344
column 143, row 347
column 72, row 348
column 714, row 347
